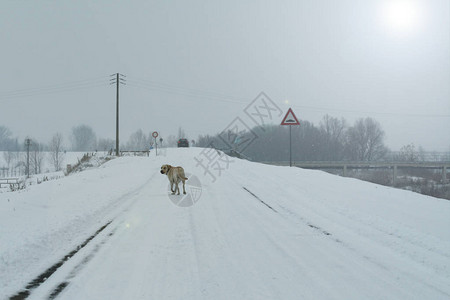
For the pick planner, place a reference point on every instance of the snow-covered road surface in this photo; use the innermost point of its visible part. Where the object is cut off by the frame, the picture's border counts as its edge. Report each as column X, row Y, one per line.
column 258, row 232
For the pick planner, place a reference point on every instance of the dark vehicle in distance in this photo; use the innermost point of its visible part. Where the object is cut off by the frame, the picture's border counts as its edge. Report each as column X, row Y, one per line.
column 183, row 143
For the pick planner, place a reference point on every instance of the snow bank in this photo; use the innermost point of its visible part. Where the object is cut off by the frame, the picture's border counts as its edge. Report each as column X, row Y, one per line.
column 326, row 237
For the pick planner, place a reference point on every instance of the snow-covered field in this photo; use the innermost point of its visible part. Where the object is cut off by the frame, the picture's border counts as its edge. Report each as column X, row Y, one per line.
column 257, row 232
column 47, row 166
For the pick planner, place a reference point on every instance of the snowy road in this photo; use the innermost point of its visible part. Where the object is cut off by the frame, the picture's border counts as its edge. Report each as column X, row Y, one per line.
column 260, row 232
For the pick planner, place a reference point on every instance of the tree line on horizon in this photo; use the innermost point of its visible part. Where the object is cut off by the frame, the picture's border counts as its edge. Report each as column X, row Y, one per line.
column 332, row 140
column 81, row 139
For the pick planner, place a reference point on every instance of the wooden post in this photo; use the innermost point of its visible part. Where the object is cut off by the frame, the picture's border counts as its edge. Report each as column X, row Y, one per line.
column 28, row 144
column 444, row 174
column 394, row 176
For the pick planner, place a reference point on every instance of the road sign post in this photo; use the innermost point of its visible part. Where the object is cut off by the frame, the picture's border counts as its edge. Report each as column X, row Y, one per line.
column 155, row 135
column 290, row 146
column 290, row 119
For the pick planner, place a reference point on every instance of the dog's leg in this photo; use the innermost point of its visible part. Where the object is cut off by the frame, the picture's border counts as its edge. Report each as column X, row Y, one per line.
column 177, row 188
column 184, row 190
column 171, row 187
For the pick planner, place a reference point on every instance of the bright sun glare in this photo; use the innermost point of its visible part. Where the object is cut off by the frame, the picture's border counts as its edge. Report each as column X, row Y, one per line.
column 401, row 16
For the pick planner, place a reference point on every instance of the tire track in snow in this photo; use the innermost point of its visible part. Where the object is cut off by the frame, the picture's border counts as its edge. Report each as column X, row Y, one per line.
column 365, row 257
column 40, row 279
column 60, row 287
column 259, row 199
column 309, row 224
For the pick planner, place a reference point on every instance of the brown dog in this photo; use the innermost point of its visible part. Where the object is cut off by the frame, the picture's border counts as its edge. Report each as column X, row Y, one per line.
column 175, row 175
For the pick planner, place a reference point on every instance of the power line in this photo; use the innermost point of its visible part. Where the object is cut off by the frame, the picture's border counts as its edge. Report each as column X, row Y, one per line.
column 84, row 87
column 59, row 85
column 52, row 89
column 211, row 95
column 198, row 94
column 185, row 89
column 370, row 112
column 173, row 89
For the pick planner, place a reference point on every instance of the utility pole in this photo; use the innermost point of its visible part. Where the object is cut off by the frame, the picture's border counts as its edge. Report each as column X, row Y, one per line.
column 28, row 144
column 118, row 79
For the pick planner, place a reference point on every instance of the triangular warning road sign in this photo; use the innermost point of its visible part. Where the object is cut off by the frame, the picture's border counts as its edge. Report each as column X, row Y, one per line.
column 290, row 118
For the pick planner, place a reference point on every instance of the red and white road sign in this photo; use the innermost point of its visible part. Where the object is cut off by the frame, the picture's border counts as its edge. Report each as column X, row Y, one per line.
column 155, row 134
column 290, row 118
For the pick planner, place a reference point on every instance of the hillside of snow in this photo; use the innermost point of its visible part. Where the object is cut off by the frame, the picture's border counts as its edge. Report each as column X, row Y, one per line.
column 254, row 231
column 16, row 165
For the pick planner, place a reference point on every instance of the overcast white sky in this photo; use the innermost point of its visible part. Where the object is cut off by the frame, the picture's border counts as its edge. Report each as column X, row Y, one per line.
column 197, row 64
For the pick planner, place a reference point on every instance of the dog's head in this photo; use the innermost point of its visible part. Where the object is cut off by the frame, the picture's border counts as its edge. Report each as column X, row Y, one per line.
column 165, row 169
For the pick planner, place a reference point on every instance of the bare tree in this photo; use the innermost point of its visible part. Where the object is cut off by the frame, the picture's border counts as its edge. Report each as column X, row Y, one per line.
column 37, row 156
column 106, row 144
column 83, row 138
column 5, row 138
column 171, row 141
column 138, row 141
column 333, row 132
column 408, row 153
column 365, row 140
column 11, row 159
column 56, row 151
column 5, row 134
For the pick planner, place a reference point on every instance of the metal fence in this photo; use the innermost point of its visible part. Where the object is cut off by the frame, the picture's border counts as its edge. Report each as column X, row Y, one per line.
column 443, row 166
column 11, row 172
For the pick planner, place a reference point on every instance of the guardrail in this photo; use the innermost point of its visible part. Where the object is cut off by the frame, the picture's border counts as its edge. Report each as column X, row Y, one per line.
column 347, row 165
column 145, row 152
column 9, row 181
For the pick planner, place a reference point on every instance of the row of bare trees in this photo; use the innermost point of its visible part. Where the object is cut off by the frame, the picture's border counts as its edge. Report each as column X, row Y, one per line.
column 332, row 140
column 15, row 158
column 138, row 140
column 82, row 138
